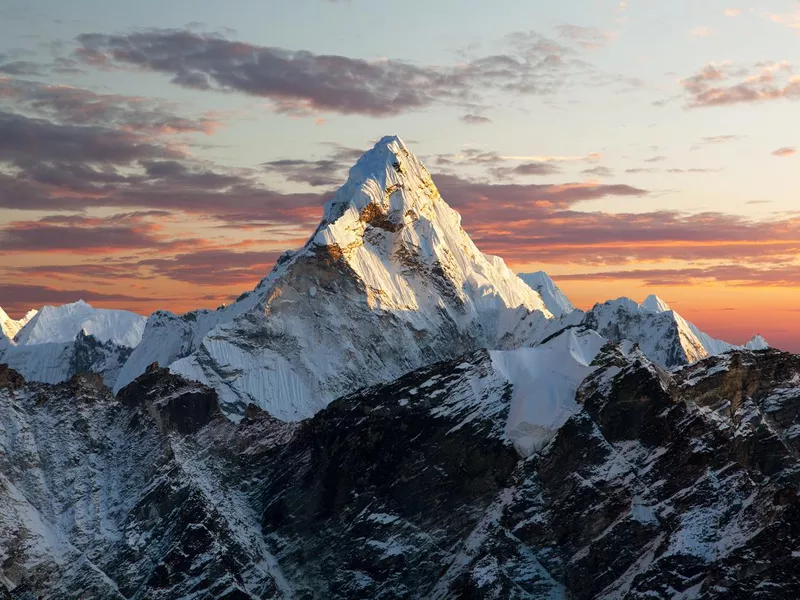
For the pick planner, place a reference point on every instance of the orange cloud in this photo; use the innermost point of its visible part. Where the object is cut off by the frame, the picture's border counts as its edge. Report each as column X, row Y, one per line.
column 783, row 152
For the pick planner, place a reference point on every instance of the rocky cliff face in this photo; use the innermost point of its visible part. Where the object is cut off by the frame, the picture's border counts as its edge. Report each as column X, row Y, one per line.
column 659, row 485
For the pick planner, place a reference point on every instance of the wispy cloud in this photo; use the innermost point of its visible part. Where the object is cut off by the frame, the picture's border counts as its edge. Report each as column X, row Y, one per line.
column 80, row 106
column 701, row 31
column 724, row 85
column 590, row 38
column 471, row 119
column 301, row 82
column 791, row 20
column 715, row 140
column 784, row 152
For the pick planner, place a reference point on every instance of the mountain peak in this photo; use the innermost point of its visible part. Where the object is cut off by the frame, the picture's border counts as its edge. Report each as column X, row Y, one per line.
column 554, row 299
column 757, row 342
column 10, row 327
column 387, row 187
column 655, row 304
column 62, row 323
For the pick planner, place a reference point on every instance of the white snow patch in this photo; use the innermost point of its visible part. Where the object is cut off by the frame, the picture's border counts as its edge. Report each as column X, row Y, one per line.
column 545, row 380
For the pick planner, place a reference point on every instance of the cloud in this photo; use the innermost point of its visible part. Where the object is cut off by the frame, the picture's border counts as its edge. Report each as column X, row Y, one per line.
column 471, row 119
column 715, row 140
column 83, row 235
column 505, row 203
column 732, row 12
column 214, row 267
column 479, row 156
column 77, row 106
column 301, row 82
column 599, row 171
column 791, row 20
column 316, row 173
column 693, row 170
column 297, row 81
column 785, row 275
column 536, row 168
column 701, row 31
column 540, row 223
column 21, row 68
column 784, row 152
column 325, row 172
column 26, row 139
column 589, row 38
column 724, row 85
column 45, row 165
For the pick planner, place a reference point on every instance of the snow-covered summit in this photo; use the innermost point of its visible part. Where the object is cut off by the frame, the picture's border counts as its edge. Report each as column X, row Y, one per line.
column 64, row 323
column 390, row 224
column 655, row 304
column 554, row 299
column 662, row 334
column 757, row 342
column 387, row 183
column 10, row 327
column 61, row 341
column 387, row 283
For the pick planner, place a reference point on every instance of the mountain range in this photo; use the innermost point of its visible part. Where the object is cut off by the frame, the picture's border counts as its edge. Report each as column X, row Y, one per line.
column 392, row 413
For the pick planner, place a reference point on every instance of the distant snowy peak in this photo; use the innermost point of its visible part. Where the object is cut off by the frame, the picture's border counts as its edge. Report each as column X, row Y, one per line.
column 757, row 342
column 10, row 327
column 662, row 334
column 58, row 324
column 554, row 299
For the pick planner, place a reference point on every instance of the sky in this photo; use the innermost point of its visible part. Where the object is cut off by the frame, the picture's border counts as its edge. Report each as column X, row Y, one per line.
column 162, row 155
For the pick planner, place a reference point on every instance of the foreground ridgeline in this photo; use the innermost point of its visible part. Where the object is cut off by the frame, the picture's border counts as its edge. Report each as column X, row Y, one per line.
column 390, row 414
column 643, row 483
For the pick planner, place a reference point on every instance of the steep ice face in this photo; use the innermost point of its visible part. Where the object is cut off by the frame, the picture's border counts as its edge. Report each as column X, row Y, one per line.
column 554, row 299
column 168, row 337
column 545, row 380
column 64, row 323
column 389, row 282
